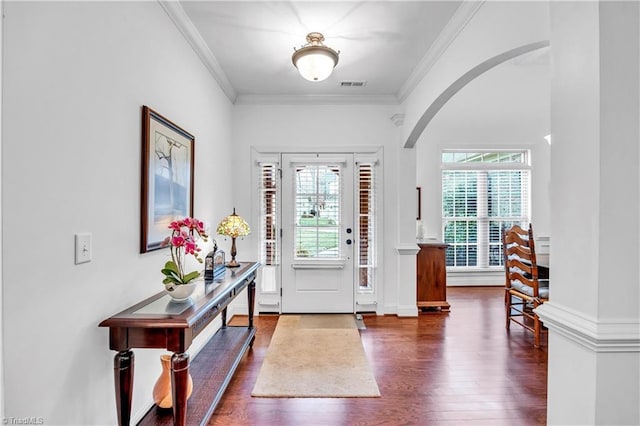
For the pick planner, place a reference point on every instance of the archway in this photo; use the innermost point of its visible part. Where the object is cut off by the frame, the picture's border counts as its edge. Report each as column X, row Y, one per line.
column 465, row 79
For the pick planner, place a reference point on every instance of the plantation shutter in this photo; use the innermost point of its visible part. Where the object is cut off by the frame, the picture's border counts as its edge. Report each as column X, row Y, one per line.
column 269, row 227
column 508, row 204
column 482, row 193
column 366, row 216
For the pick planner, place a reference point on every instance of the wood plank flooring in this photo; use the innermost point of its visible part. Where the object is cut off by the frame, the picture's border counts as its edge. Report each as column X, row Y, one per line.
column 456, row 368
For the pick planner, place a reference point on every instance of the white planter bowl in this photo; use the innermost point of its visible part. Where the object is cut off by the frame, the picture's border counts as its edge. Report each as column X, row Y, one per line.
column 181, row 292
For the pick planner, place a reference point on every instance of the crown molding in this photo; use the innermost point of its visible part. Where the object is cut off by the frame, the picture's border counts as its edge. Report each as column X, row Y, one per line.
column 179, row 17
column 248, row 99
column 456, row 24
column 598, row 335
column 181, row 20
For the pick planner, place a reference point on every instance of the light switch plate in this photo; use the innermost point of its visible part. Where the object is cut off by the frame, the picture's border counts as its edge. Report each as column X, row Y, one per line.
column 83, row 248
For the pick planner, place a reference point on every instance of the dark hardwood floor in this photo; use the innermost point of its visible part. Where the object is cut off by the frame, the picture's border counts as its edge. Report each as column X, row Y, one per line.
column 456, row 368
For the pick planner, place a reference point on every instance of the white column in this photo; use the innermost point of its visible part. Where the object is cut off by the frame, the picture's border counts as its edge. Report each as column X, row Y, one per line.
column 407, row 248
column 593, row 314
column 1, row 273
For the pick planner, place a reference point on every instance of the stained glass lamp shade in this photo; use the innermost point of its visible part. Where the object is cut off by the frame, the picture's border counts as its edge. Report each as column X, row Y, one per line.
column 233, row 226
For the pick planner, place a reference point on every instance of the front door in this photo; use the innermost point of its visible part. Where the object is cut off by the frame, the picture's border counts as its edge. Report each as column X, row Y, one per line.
column 317, row 233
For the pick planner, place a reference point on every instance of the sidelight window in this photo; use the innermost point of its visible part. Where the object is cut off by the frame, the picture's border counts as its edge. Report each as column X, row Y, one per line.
column 269, row 224
column 366, row 216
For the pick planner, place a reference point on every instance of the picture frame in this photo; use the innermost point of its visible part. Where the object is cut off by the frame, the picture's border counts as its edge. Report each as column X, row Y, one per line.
column 418, row 203
column 167, row 177
column 219, row 264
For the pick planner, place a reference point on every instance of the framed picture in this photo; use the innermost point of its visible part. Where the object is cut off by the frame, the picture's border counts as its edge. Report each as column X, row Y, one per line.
column 418, row 203
column 167, row 177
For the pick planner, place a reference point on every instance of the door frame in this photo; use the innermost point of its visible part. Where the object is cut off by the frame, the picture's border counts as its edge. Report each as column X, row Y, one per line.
column 268, row 300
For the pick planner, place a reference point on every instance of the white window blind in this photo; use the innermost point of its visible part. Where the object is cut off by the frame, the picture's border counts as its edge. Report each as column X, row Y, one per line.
column 269, row 228
column 481, row 194
column 366, row 211
column 269, row 214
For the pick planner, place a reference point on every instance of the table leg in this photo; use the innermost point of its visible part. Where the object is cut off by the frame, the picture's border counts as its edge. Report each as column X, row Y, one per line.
column 123, row 364
column 224, row 317
column 251, row 296
column 179, row 383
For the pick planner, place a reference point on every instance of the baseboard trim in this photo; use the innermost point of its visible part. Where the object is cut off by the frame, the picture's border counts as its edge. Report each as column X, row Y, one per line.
column 475, row 278
column 407, row 311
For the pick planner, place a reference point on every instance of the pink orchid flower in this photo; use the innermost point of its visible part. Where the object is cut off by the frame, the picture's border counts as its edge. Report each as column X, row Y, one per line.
column 182, row 242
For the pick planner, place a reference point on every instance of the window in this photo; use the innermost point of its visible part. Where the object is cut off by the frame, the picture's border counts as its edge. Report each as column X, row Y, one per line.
column 366, row 203
column 318, row 200
column 269, row 216
column 482, row 193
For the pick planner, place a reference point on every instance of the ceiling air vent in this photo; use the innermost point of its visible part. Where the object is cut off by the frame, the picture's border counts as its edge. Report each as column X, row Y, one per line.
column 353, row 83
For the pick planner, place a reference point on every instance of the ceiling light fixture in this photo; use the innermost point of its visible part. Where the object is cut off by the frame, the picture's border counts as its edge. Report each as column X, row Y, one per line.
column 314, row 60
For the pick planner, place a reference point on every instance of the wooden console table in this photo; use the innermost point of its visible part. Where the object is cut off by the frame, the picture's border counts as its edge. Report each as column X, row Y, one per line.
column 160, row 323
column 431, row 282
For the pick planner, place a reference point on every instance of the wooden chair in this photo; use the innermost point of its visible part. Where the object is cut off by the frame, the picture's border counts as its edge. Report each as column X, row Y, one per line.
column 524, row 291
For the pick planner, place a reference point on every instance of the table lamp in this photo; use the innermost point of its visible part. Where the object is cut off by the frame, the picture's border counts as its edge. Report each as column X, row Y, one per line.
column 233, row 226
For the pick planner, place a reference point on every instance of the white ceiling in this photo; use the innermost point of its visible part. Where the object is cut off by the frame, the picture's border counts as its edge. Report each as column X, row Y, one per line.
column 247, row 45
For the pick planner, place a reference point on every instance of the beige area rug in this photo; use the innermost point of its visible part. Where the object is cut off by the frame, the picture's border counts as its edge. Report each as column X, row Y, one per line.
column 316, row 356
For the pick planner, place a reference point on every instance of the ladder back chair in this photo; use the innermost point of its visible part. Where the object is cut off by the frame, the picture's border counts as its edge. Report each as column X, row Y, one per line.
column 524, row 291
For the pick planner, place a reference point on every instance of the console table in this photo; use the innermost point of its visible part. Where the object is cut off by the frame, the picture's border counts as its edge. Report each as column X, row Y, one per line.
column 158, row 322
column 431, row 280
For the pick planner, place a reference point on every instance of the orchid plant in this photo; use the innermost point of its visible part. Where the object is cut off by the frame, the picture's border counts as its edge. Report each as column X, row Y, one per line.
column 182, row 242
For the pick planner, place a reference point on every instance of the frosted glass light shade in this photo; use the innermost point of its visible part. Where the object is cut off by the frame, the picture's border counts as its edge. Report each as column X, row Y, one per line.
column 315, row 66
column 315, row 61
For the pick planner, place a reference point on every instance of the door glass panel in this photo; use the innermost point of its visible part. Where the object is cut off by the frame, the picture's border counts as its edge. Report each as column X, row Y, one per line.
column 317, row 212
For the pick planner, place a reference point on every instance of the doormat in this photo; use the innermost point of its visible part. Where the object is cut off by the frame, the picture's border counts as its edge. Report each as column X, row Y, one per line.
column 316, row 356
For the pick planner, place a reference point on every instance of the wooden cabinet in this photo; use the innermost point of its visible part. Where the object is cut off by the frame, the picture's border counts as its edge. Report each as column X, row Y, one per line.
column 432, row 277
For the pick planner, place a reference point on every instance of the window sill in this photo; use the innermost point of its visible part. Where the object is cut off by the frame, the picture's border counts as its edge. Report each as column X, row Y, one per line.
column 451, row 270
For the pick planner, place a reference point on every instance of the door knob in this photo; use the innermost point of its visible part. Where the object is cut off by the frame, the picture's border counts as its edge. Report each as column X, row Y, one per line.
column 348, row 241
column 348, row 230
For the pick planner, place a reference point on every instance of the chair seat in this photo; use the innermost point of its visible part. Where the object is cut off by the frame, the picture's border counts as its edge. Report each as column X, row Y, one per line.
column 543, row 291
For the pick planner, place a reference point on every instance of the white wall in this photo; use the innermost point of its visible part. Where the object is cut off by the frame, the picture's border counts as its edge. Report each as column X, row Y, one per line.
column 508, row 106
column 338, row 127
column 75, row 77
column 1, row 174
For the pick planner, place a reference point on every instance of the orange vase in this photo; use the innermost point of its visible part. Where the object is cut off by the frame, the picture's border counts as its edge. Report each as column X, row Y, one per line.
column 162, row 388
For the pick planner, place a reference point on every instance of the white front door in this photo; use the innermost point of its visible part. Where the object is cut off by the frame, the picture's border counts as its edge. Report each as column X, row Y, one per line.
column 317, row 233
